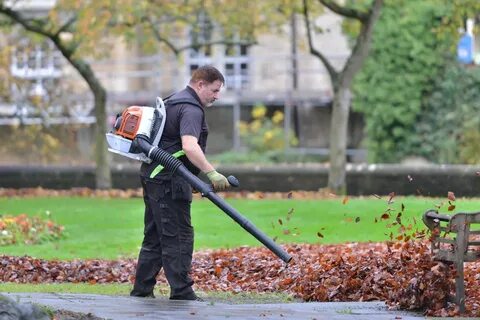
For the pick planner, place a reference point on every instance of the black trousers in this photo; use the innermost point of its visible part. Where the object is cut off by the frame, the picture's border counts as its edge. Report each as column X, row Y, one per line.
column 168, row 236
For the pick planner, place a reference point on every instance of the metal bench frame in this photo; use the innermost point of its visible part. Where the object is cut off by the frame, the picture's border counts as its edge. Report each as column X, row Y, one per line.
column 451, row 237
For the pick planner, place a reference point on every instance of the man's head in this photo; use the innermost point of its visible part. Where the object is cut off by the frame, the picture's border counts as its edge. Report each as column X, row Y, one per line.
column 207, row 82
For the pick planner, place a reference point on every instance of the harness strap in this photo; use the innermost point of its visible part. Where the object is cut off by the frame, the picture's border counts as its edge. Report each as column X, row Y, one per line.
column 159, row 168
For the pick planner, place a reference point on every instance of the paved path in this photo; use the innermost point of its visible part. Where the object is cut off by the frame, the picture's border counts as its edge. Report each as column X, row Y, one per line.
column 124, row 307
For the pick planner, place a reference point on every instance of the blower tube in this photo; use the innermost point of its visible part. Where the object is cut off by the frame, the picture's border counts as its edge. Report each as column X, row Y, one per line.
column 174, row 165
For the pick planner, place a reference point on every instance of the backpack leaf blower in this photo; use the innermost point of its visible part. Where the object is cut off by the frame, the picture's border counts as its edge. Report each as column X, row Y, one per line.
column 136, row 134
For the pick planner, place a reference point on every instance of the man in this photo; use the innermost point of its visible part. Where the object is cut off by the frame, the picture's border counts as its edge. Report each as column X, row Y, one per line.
column 168, row 233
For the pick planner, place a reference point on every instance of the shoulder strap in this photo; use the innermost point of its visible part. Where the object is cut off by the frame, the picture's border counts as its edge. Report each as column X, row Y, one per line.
column 182, row 97
column 168, row 97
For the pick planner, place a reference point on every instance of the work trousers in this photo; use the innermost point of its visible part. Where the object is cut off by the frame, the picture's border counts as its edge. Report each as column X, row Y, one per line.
column 168, row 236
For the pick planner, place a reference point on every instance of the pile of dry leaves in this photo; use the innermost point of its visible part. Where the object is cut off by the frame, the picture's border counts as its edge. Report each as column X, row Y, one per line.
column 400, row 273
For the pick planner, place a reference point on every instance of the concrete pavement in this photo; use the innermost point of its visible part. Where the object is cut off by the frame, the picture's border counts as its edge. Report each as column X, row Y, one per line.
column 124, row 307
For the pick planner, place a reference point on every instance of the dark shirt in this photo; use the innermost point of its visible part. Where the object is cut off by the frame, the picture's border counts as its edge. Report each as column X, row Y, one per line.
column 185, row 116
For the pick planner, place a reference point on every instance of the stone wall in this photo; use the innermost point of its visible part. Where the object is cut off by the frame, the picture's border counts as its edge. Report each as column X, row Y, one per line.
column 434, row 180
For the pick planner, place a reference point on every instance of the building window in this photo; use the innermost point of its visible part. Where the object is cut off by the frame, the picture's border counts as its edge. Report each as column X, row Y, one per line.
column 236, row 67
column 200, row 36
column 233, row 60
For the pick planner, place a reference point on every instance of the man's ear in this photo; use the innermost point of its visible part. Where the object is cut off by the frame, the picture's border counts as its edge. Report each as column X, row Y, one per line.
column 200, row 84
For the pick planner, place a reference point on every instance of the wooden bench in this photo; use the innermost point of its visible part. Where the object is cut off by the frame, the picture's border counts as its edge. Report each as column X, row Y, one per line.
column 455, row 240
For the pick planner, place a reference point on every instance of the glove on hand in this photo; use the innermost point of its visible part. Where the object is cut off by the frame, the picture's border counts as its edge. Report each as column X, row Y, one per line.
column 218, row 180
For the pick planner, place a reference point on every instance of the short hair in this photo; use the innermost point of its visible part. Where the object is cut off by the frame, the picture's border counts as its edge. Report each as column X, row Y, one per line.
column 207, row 73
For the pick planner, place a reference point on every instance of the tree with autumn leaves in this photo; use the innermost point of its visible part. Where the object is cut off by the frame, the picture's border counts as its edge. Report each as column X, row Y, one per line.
column 84, row 30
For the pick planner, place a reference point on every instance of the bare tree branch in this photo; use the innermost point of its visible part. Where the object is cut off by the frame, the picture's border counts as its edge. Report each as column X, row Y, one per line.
column 362, row 46
column 344, row 11
column 331, row 70
column 66, row 26
column 34, row 25
column 176, row 50
column 160, row 38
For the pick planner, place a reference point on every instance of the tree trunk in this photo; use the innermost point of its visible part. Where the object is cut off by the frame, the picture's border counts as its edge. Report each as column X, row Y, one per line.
column 103, row 178
column 338, row 140
column 102, row 159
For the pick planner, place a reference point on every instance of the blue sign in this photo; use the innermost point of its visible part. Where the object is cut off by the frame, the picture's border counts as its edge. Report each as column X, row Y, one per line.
column 465, row 49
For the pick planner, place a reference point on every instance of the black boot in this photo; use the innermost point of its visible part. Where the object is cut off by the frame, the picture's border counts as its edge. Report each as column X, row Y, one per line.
column 135, row 293
column 191, row 296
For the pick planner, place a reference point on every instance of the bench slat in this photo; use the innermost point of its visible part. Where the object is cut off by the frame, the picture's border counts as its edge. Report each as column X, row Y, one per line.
column 444, row 240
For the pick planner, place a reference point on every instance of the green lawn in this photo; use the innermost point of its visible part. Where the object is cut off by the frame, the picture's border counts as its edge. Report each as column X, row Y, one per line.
column 112, row 228
column 123, row 289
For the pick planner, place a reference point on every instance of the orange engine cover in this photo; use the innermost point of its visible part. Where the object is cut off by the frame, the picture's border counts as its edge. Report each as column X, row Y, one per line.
column 131, row 118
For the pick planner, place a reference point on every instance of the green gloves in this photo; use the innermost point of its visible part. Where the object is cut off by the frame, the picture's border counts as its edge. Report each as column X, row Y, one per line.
column 218, row 180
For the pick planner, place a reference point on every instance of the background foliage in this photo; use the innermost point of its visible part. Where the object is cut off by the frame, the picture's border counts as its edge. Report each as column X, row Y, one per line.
column 448, row 130
column 407, row 55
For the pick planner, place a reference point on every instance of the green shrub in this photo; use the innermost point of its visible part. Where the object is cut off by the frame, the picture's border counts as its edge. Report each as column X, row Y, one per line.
column 406, row 57
column 448, row 130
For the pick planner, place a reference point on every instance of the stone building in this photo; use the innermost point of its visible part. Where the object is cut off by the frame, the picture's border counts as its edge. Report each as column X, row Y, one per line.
column 278, row 72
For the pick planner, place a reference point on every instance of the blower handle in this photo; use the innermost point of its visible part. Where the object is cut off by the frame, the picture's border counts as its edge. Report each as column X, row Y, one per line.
column 233, row 181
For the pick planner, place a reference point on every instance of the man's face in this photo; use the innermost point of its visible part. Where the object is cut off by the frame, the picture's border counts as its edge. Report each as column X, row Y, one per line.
column 209, row 92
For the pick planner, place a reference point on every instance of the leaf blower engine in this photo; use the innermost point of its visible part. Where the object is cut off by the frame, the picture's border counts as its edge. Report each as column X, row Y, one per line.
column 136, row 134
column 144, row 123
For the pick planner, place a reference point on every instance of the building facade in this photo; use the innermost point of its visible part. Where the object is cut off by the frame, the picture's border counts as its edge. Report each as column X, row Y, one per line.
column 277, row 72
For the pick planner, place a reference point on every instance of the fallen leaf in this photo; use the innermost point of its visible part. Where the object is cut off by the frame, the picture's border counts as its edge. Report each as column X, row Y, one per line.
column 289, row 213
column 391, row 195
column 451, row 196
